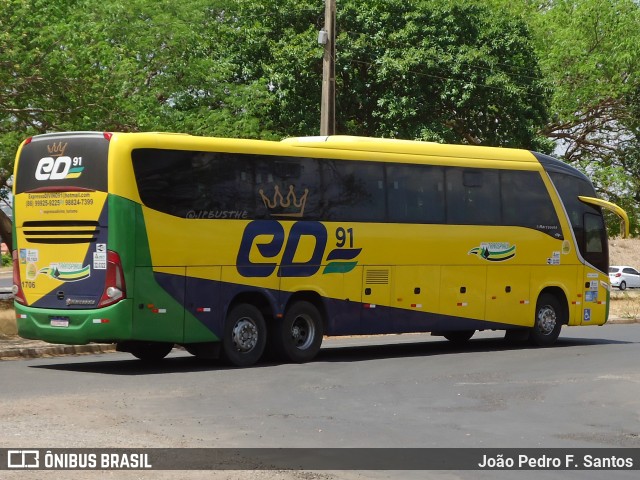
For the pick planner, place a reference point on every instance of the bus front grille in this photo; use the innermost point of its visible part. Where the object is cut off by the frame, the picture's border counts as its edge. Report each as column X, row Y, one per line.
column 61, row 231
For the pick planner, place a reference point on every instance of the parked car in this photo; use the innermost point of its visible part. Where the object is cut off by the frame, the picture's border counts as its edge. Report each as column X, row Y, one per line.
column 624, row 277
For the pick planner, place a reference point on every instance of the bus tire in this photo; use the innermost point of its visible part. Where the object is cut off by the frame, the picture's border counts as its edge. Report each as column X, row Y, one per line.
column 298, row 336
column 245, row 335
column 517, row 335
column 204, row 351
column 548, row 321
column 459, row 337
column 149, row 351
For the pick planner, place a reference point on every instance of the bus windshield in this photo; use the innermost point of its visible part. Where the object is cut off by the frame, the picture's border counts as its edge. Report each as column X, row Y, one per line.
column 586, row 220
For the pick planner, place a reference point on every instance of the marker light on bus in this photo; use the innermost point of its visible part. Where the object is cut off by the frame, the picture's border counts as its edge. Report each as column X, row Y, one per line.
column 114, row 288
column 18, row 294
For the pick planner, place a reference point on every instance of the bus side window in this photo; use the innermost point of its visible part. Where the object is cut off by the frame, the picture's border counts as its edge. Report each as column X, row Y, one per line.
column 415, row 194
column 473, row 197
column 353, row 191
column 526, row 202
column 595, row 233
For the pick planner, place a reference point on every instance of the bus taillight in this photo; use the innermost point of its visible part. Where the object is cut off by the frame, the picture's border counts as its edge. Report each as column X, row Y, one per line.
column 114, row 288
column 18, row 293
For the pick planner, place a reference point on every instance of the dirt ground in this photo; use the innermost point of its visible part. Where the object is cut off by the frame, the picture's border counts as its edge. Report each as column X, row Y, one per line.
column 625, row 305
column 7, row 319
column 625, row 251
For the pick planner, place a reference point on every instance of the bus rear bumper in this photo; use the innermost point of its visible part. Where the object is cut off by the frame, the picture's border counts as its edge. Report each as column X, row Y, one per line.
column 75, row 327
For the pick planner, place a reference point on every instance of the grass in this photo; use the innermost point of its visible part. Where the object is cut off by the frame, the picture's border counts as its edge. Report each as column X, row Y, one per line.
column 625, row 304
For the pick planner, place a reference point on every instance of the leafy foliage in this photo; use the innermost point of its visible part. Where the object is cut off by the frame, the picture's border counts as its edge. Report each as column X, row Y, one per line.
column 588, row 52
column 523, row 74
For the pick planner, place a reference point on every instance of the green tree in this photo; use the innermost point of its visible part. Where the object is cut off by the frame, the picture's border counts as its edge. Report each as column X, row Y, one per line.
column 589, row 54
column 440, row 70
column 448, row 71
column 117, row 65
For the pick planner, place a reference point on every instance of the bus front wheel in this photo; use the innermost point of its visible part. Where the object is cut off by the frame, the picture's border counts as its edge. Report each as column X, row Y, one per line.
column 298, row 336
column 459, row 337
column 245, row 336
column 548, row 321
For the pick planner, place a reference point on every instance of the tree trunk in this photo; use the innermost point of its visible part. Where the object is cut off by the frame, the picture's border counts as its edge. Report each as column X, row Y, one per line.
column 5, row 230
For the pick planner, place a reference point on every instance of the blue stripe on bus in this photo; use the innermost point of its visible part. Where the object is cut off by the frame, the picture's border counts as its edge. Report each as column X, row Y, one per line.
column 344, row 317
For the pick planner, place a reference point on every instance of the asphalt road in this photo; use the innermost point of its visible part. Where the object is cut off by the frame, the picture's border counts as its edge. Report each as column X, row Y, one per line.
column 391, row 391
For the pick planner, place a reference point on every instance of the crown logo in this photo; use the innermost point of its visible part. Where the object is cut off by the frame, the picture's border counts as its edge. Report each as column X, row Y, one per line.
column 289, row 206
column 56, row 149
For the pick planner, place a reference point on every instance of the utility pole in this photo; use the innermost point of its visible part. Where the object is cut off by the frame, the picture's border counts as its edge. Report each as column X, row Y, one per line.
column 328, row 102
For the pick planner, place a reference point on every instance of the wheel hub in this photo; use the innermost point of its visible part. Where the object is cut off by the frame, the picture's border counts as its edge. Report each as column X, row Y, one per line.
column 302, row 332
column 245, row 335
column 546, row 320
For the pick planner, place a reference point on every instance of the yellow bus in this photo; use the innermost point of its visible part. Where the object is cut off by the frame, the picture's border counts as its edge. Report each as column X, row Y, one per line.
column 232, row 247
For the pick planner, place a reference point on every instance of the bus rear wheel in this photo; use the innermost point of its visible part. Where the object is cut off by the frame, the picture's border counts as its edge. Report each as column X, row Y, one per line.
column 548, row 321
column 245, row 335
column 298, row 336
column 147, row 351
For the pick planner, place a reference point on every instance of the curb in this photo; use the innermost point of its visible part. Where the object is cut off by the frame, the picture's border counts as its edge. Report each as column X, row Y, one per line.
column 18, row 348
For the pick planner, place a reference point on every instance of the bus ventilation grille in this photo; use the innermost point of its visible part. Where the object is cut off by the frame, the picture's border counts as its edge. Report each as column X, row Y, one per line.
column 377, row 277
column 61, row 231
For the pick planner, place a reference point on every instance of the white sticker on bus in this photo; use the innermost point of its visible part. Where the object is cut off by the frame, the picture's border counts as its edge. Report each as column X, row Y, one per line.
column 99, row 260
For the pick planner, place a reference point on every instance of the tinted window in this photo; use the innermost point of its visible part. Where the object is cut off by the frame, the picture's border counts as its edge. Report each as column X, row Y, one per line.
column 195, row 184
column 473, row 197
column 595, row 247
column 214, row 185
column 415, row 193
column 586, row 220
column 526, row 202
column 287, row 187
column 353, row 191
column 64, row 160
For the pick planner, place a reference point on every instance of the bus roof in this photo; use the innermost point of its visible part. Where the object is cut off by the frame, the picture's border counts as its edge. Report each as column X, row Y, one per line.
column 411, row 147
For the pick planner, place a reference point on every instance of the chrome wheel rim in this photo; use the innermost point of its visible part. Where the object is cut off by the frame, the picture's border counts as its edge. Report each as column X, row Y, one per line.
column 547, row 320
column 245, row 335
